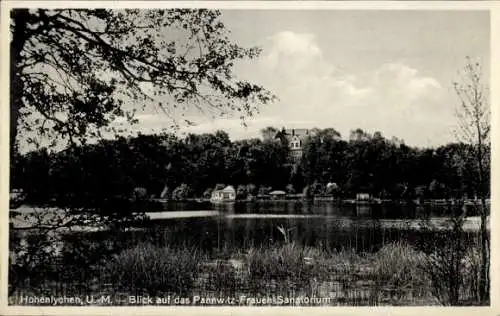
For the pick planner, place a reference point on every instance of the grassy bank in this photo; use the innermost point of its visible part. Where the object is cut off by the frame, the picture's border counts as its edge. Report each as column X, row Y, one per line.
column 397, row 274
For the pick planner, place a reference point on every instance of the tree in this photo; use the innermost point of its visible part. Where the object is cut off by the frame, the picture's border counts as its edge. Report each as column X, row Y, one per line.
column 269, row 133
column 241, row 192
column 252, row 189
column 474, row 128
column 74, row 71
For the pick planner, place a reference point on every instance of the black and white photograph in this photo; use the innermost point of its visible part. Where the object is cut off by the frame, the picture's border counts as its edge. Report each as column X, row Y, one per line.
column 170, row 155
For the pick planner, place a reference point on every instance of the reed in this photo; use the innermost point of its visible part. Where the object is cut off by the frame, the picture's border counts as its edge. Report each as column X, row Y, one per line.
column 393, row 275
column 154, row 270
column 289, row 261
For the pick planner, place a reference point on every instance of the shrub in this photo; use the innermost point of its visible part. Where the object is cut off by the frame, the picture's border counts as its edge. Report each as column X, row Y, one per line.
column 397, row 272
column 139, row 193
column 397, row 265
column 208, row 193
column 317, row 188
column 182, row 192
column 452, row 262
column 264, row 190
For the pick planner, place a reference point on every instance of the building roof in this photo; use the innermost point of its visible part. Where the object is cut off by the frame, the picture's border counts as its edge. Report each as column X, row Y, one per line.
column 300, row 133
column 277, row 192
column 228, row 189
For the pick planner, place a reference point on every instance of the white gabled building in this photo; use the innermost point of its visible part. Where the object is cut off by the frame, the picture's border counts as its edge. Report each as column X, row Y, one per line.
column 226, row 194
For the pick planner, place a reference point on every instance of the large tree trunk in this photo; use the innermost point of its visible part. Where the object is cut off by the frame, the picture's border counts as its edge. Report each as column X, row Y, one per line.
column 484, row 278
column 19, row 18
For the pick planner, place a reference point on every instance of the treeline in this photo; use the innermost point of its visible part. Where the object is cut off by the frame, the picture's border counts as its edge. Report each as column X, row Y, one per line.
column 149, row 165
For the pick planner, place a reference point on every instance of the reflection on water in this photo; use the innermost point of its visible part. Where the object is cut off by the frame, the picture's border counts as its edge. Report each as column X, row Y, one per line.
column 324, row 224
column 389, row 210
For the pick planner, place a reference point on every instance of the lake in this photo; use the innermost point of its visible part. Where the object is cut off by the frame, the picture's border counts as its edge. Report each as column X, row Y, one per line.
column 241, row 225
column 330, row 225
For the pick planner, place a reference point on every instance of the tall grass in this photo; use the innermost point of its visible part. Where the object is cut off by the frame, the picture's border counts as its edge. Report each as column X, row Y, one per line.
column 286, row 262
column 221, row 278
column 398, row 264
column 154, row 270
column 471, row 270
column 397, row 272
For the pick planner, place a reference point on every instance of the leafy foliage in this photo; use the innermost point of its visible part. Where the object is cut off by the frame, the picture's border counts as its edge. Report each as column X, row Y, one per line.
column 75, row 71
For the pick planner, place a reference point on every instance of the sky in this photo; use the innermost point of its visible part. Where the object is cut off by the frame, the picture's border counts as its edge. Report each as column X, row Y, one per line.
column 388, row 71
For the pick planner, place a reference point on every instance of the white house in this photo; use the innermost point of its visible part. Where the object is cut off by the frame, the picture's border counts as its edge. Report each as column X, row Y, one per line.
column 363, row 196
column 226, row 194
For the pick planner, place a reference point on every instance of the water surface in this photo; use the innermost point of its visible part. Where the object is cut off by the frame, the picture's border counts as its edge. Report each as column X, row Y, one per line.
column 325, row 224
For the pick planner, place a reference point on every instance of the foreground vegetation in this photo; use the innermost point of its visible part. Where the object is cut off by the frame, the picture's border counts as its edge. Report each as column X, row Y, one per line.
column 396, row 274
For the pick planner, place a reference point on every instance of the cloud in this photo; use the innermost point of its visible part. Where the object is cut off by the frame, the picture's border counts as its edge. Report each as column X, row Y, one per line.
column 289, row 54
column 399, row 82
column 394, row 98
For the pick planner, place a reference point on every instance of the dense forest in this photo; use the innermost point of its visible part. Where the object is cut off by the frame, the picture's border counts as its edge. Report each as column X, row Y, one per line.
column 196, row 164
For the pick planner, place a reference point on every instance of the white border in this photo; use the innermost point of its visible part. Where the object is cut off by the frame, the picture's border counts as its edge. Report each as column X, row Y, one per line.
column 492, row 6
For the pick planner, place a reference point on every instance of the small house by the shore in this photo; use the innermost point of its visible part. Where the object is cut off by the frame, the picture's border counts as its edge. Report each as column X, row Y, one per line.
column 226, row 194
column 363, row 196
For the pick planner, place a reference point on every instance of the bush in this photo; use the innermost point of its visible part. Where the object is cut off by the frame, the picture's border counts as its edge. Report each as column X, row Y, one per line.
column 397, row 272
column 264, row 190
column 317, row 188
column 139, row 193
column 397, row 265
column 31, row 260
column 182, row 192
column 154, row 270
column 208, row 193
column 453, row 266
